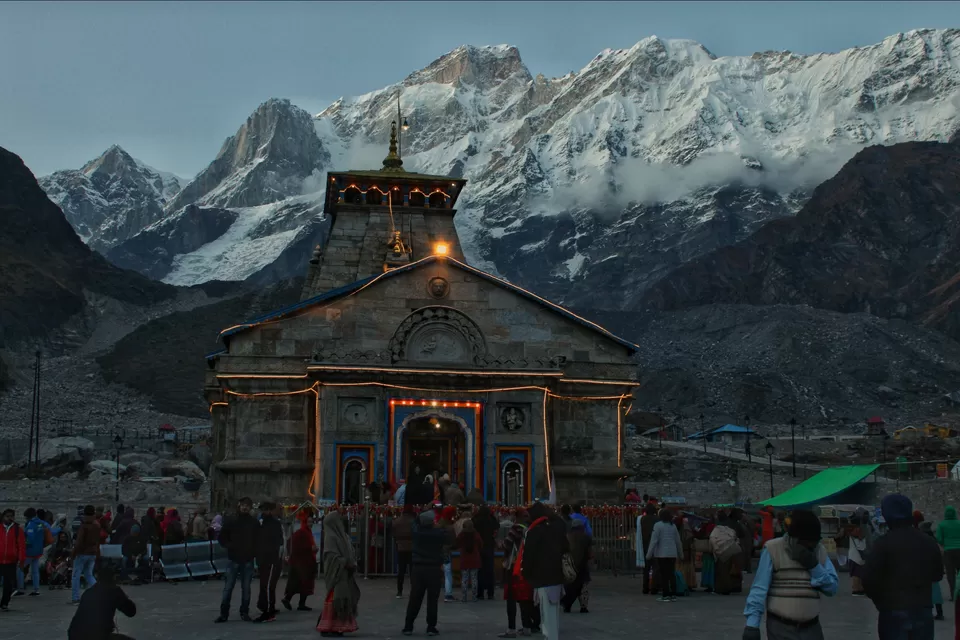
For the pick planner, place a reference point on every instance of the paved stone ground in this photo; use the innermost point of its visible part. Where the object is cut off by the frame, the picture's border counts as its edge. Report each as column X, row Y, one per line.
column 186, row 611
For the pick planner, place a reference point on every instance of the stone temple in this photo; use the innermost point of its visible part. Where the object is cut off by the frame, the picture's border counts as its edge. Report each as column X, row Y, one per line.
column 401, row 360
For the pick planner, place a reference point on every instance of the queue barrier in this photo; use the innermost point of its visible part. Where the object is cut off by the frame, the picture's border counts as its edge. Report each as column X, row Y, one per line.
column 220, row 560
column 173, row 560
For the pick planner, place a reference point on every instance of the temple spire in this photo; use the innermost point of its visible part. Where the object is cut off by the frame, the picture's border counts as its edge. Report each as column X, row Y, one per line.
column 393, row 162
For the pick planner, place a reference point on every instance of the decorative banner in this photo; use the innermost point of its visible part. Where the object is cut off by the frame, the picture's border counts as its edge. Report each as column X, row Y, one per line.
column 942, row 471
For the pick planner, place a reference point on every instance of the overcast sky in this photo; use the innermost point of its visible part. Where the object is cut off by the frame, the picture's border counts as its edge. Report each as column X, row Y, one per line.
column 169, row 81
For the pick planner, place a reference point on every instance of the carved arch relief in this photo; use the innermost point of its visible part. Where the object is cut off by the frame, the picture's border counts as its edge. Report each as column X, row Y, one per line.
column 438, row 335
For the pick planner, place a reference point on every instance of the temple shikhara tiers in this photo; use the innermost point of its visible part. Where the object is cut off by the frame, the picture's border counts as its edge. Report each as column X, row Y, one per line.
column 402, row 360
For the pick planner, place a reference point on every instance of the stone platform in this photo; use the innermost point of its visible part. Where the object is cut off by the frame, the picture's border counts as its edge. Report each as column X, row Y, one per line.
column 186, row 611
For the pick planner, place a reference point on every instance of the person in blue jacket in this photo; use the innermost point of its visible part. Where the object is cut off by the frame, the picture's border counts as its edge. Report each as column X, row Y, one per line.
column 794, row 571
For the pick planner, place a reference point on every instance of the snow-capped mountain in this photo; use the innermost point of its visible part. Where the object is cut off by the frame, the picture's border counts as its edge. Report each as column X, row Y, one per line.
column 112, row 197
column 267, row 160
column 605, row 179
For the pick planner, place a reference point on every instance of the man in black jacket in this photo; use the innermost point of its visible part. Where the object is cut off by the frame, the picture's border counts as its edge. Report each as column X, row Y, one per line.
column 427, row 576
column 542, row 564
column 94, row 619
column 899, row 574
column 269, row 547
column 239, row 537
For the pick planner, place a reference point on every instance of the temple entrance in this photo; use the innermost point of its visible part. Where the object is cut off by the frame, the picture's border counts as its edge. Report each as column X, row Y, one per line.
column 433, row 446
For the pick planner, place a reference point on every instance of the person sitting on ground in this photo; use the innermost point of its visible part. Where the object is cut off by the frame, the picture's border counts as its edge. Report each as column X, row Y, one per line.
column 794, row 570
column 899, row 571
column 94, row 619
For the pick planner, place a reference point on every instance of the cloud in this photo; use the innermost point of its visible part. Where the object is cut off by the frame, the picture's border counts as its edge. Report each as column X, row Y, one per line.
column 635, row 181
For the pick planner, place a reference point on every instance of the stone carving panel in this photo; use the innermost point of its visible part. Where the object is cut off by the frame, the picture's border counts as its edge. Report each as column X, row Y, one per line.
column 438, row 335
column 514, row 418
column 356, row 413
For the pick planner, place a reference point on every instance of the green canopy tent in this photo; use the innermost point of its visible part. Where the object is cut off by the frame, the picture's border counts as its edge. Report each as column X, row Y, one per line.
column 825, row 484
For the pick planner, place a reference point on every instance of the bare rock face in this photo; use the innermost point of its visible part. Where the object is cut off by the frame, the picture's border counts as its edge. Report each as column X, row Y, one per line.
column 112, row 197
column 106, row 467
column 266, row 160
column 881, row 237
column 184, row 468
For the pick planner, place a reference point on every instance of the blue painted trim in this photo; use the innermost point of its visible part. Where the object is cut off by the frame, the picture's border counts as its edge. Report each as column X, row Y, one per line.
column 214, row 354
column 335, row 467
column 335, row 293
column 533, row 462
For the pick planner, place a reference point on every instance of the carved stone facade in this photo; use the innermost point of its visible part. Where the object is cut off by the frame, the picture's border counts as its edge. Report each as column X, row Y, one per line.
column 431, row 366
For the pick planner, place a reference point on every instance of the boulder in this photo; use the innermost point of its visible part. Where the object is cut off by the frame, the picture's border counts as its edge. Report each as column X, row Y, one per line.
column 180, row 468
column 62, row 455
column 202, row 456
column 147, row 459
column 106, row 467
column 139, row 469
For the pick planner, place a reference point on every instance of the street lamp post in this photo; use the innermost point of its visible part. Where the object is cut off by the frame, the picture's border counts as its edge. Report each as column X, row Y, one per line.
column 793, row 444
column 746, row 423
column 703, row 436
column 770, row 465
column 118, row 445
column 660, row 427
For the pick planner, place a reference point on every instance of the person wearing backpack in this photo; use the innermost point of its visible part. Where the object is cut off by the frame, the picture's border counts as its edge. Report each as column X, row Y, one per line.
column 726, row 549
column 38, row 537
column 13, row 553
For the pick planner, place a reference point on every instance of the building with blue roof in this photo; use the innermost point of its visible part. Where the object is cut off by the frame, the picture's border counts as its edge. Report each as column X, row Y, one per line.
column 727, row 434
column 403, row 363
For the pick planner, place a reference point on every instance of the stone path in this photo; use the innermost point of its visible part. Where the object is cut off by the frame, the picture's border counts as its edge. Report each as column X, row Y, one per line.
column 186, row 611
column 758, row 457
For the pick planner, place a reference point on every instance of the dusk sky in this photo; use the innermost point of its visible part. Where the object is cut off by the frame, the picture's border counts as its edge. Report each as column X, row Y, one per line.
column 169, row 81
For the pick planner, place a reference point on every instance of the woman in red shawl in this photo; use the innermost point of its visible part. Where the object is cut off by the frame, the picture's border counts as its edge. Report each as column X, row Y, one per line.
column 766, row 527
column 303, row 564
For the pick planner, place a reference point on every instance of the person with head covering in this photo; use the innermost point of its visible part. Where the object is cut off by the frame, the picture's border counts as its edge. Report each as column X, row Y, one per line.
column 516, row 590
column 303, row 563
column 173, row 532
column 948, row 536
column 725, row 547
column 541, row 561
column 899, row 571
column 487, row 525
column 403, row 536
column 339, row 613
column 124, row 523
column 469, row 544
column 793, row 571
column 58, row 563
column 430, row 546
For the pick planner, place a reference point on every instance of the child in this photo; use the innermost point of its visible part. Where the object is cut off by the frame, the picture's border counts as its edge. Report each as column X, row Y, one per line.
column 469, row 543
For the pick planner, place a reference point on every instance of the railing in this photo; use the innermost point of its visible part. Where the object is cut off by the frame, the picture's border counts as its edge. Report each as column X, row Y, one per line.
column 371, row 531
column 915, row 470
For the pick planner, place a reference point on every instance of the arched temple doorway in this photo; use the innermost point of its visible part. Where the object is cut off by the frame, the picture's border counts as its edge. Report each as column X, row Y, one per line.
column 512, row 488
column 351, row 485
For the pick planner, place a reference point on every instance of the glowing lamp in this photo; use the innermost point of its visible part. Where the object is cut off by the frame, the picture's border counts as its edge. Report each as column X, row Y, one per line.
column 405, row 125
column 441, row 249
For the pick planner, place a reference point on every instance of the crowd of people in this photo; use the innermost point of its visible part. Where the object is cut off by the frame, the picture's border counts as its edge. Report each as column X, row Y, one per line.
column 545, row 552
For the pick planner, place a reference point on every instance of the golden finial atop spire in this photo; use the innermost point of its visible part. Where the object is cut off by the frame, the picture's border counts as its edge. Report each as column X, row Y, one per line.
column 393, row 162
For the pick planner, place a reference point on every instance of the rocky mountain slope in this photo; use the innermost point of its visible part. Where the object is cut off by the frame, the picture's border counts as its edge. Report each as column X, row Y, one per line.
column 52, row 285
column 779, row 362
column 607, row 178
column 112, row 197
column 881, row 237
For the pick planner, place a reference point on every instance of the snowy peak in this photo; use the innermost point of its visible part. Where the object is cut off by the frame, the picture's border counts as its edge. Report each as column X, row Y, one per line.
column 480, row 67
column 111, row 197
column 268, row 159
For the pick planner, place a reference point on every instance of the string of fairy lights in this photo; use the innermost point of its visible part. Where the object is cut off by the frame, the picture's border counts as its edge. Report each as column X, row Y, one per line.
column 313, row 487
